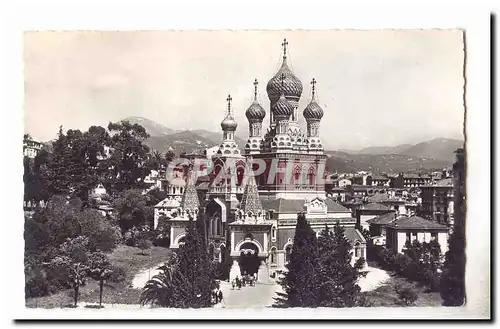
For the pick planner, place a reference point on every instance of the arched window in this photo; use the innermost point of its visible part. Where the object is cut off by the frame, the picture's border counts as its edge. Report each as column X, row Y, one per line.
column 219, row 225
column 296, row 175
column 273, row 255
column 240, row 173
column 357, row 250
column 311, row 176
column 288, row 251
column 222, row 256
column 273, row 233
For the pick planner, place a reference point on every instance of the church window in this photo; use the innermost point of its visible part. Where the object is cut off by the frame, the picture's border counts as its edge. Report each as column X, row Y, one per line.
column 288, row 251
column 273, row 255
column 273, row 233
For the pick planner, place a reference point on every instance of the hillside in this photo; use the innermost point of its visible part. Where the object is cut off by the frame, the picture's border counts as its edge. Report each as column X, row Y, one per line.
column 378, row 163
column 216, row 137
column 183, row 141
column 153, row 128
column 438, row 148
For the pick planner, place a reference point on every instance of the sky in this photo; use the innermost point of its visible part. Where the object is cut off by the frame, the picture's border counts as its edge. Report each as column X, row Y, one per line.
column 377, row 88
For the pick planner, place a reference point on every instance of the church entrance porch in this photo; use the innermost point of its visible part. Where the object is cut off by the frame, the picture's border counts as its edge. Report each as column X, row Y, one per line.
column 249, row 261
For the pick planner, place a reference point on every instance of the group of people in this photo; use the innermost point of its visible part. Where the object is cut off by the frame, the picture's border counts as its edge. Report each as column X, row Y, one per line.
column 217, row 296
column 238, row 283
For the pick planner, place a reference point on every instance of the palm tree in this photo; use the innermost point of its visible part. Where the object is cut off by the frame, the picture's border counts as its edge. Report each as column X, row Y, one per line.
column 100, row 269
column 160, row 289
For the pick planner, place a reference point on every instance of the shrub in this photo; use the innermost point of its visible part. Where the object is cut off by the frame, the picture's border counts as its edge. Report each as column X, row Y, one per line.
column 118, row 274
column 103, row 235
column 407, row 295
column 143, row 244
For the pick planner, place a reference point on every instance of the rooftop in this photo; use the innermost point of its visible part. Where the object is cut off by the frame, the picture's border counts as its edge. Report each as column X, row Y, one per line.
column 416, row 222
column 297, row 205
column 383, row 219
column 376, row 206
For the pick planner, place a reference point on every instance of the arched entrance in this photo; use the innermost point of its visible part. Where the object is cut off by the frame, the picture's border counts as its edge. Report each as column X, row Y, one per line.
column 248, row 260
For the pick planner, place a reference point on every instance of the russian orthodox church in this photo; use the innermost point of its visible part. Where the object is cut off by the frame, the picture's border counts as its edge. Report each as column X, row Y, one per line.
column 252, row 210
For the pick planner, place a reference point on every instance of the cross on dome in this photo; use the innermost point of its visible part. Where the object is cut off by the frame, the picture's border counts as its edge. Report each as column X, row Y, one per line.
column 284, row 44
column 229, row 99
column 313, row 83
column 255, row 84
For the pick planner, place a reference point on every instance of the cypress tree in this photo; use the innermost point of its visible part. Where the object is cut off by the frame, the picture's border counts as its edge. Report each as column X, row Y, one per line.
column 452, row 284
column 299, row 280
column 337, row 277
column 194, row 279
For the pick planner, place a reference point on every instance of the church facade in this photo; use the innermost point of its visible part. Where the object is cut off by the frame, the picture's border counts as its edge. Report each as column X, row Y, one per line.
column 253, row 196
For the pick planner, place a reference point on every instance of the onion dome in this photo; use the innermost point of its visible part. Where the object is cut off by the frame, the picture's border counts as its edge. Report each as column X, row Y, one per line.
column 229, row 123
column 313, row 112
column 255, row 112
column 282, row 108
column 292, row 86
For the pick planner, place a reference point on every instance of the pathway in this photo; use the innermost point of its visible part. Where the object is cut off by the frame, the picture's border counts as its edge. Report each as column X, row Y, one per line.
column 260, row 295
column 375, row 278
column 144, row 276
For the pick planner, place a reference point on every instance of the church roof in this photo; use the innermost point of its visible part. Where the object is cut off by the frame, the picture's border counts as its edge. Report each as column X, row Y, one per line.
column 333, row 206
column 250, row 201
column 190, row 199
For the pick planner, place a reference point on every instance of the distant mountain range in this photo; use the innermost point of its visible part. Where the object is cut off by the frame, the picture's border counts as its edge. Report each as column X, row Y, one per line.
column 163, row 138
column 433, row 154
column 438, row 148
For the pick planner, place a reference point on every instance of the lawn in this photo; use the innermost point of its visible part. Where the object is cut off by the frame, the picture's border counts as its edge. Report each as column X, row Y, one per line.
column 386, row 296
column 129, row 258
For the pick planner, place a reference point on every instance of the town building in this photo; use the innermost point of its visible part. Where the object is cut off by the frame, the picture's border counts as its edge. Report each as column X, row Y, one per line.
column 459, row 190
column 253, row 212
column 411, row 180
column 437, row 202
column 410, row 228
column 369, row 211
column 378, row 180
column 377, row 227
column 31, row 147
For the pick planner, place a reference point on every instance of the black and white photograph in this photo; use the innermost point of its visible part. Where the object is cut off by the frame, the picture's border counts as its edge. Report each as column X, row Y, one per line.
column 226, row 170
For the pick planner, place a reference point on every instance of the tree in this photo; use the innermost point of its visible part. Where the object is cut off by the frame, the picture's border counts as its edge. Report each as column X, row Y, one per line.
column 337, row 277
column 188, row 280
column 100, row 269
column 72, row 263
column 103, row 234
column 159, row 290
column 57, row 178
column 132, row 209
column 452, row 283
column 128, row 164
column 299, row 280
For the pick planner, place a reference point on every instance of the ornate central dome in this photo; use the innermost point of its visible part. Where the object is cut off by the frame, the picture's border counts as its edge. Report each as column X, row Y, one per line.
column 291, row 87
